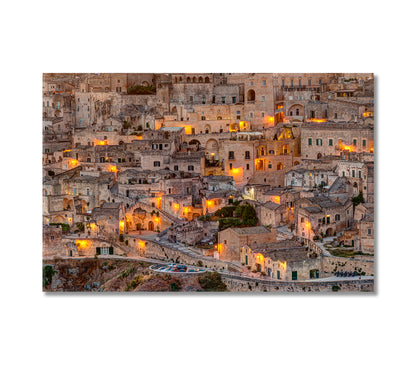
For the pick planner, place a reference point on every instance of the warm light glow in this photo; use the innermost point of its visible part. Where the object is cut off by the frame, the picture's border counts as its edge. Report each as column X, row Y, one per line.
column 67, row 150
column 186, row 210
column 282, row 265
column 101, row 142
column 121, row 226
column 348, row 148
column 175, row 206
column 259, row 257
column 93, row 226
column 82, row 244
column 372, row 150
column 113, row 169
column 318, row 120
column 209, row 203
column 157, row 219
column 308, row 225
column 188, row 129
column 142, row 244
column 74, row 162
column 368, row 114
column 220, row 247
column 277, row 199
column 270, row 119
column 236, row 171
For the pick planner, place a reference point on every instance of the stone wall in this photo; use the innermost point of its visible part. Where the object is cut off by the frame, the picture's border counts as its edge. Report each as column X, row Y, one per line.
column 331, row 264
column 160, row 252
column 236, row 284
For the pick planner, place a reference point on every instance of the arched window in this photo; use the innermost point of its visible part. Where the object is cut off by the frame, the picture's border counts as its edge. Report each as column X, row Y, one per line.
column 176, row 79
column 206, row 80
column 279, row 166
column 188, row 80
column 251, row 95
column 201, row 80
column 194, row 79
column 297, row 111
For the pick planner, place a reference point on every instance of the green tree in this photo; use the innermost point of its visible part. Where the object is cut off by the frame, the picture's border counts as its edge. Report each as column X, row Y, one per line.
column 358, row 199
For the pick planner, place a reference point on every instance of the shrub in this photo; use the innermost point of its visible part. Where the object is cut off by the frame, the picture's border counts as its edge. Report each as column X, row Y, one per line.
column 212, row 282
column 175, row 286
column 48, row 272
column 141, row 90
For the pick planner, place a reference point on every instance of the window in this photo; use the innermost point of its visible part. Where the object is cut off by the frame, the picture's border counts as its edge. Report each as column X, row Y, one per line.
column 202, row 118
column 223, row 99
column 337, row 217
column 231, row 166
column 247, row 155
column 156, row 163
column 331, row 142
column 278, row 274
column 302, row 219
column 359, row 173
column 234, row 99
column 354, row 142
column 271, row 152
column 364, row 142
column 310, row 141
column 343, row 173
column 248, row 166
column 190, row 167
column 213, row 99
column 262, row 114
column 310, row 82
column 294, row 275
column 269, row 165
column 264, row 83
column 251, row 114
column 231, row 155
column 263, row 98
column 368, row 231
column 318, row 141
column 191, row 99
column 176, row 168
column 336, row 115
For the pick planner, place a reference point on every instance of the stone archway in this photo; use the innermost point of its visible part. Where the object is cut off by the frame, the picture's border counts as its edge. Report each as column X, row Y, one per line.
column 151, row 226
column 318, row 156
column 212, row 147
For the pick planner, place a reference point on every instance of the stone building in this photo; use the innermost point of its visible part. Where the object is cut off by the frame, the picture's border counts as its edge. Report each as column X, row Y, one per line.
column 321, row 216
column 331, row 138
column 232, row 239
column 284, row 260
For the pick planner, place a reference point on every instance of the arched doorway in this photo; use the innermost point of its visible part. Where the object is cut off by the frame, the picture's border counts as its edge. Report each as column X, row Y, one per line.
column 151, row 226
column 318, row 156
column 206, row 80
column 329, row 232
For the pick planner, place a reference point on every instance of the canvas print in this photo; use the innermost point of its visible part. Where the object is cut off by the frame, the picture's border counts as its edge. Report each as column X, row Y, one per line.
column 214, row 182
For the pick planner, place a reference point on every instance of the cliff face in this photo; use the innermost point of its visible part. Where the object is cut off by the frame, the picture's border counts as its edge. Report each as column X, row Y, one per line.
column 110, row 275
